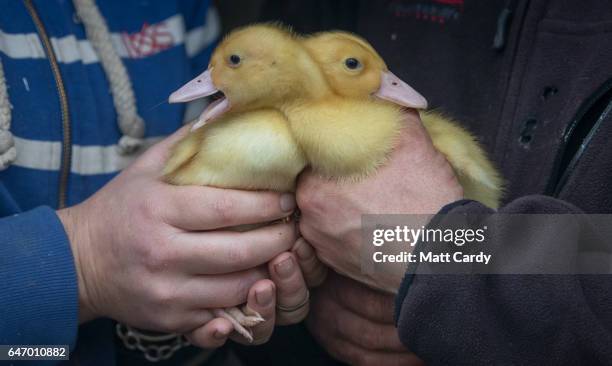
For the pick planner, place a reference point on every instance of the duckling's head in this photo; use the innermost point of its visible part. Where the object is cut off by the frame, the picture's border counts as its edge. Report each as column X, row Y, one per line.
column 257, row 66
column 354, row 69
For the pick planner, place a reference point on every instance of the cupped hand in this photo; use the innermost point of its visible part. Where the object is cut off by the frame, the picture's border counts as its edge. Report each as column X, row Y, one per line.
column 281, row 300
column 155, row 256
column 417, row 179
column 355, row 324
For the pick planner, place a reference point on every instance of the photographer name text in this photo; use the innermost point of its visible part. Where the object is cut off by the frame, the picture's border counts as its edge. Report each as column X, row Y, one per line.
column 403, row 235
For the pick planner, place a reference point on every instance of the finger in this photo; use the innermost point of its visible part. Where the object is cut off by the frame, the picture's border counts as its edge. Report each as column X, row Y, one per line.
column 262, row 299
column 175, row 137
column 212, row 334
column 313, row 270
column 324, row 328
column 291, row 292
column 352, row 295
column 155, row 157
column 188, row 321
column 207, row 208
column 414, row 131
column 355, row 329
column 229, row 251
column 218, row 291
column 373, row 336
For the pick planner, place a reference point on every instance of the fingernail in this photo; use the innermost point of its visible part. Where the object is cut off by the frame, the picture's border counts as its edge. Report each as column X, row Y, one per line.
column 264, row 296
column 220, row 335
column 302, row 251
column 287, row 202
column 285, row 268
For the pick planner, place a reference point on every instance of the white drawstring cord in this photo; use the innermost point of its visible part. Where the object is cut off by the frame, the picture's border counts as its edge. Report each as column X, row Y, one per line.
column 130, row 123
column 8, row 153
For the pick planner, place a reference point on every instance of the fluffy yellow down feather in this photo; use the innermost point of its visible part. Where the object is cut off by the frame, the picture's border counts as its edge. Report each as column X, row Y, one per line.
column 253, row 150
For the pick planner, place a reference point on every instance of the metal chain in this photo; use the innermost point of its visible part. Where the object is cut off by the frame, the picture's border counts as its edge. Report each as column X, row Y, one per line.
column 166, row 347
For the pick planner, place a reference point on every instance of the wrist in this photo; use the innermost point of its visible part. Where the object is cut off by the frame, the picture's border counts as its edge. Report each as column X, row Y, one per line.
column 76, row 227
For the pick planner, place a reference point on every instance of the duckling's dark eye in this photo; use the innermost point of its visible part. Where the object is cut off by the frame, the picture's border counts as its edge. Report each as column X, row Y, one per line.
column 235, row 60
column 352, row 63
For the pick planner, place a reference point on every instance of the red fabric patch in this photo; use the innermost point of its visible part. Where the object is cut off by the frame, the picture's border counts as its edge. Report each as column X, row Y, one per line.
column 435, row 11
column 150, row 40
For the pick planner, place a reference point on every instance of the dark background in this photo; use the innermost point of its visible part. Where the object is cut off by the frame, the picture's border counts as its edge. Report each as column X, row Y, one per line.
column 304, row 16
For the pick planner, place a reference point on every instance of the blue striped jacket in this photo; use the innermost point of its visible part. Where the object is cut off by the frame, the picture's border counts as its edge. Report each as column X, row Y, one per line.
column 163, row 44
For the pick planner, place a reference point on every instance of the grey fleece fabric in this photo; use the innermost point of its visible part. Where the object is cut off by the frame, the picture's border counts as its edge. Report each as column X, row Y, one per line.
column 510, row 319
column 542, row 108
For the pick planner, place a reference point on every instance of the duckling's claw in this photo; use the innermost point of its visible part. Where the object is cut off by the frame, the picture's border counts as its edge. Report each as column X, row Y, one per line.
column 242, row 320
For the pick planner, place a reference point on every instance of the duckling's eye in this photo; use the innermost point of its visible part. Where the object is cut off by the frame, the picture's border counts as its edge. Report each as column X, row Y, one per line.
column 352, row 63
column 234, row 60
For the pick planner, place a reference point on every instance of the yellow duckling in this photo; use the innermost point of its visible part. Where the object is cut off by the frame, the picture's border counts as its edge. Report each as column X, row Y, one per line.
column 324, row 85
column 249, row 146
column 266, row 67
column 355, row 70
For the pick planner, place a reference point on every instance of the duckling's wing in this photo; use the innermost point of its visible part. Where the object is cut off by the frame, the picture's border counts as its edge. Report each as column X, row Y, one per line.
column 476, row 173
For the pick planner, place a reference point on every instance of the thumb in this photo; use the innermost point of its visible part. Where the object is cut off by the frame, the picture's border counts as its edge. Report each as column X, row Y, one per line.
column 156, row 156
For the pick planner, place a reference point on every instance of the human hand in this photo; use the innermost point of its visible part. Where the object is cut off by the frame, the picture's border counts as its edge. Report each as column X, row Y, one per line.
column 153, row 256
column 417, row 179
column 284, row 299
column 355, row 324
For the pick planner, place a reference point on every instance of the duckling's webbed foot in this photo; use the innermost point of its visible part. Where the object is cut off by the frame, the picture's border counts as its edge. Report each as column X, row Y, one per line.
column 242, row 319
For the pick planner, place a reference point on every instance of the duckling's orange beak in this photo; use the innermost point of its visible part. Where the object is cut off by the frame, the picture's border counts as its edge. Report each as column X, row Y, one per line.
column 200, row 87
column 397, row 91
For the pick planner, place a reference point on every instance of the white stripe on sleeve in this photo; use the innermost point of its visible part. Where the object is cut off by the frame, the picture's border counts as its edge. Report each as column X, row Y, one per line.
column 68, row 49
column 86, row 160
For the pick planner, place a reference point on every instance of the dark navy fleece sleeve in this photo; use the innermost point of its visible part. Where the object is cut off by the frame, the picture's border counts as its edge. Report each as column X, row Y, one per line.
column 38, row 291
column 478, row 319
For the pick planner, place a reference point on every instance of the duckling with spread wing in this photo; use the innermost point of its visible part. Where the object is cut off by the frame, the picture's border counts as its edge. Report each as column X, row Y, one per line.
column 248, row 146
